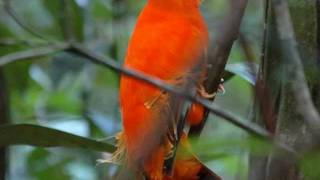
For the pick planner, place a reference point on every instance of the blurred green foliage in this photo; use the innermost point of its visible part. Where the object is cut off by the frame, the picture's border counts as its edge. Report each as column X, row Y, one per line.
column 65, row 92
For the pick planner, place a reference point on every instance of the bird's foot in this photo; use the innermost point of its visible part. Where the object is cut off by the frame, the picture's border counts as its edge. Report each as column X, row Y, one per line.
column 203, row 93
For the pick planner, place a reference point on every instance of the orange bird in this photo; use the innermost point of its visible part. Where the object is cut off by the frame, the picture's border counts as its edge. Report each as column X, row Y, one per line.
column 169, row 42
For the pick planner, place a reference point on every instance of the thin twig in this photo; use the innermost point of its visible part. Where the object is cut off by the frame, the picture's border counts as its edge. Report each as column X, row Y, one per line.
column 14, row 16
column 252, row 128
column 15, row 42
column 219, row 111
column 230, row 36
column 106, row 62
column 33, row 53
column 101, row 60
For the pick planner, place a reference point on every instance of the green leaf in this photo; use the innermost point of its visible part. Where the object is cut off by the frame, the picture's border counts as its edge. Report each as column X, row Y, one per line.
column 27, row 134
column 40, row 164
column 4, row 31
column 209, row 149
column 246, row 71
column 101, row 9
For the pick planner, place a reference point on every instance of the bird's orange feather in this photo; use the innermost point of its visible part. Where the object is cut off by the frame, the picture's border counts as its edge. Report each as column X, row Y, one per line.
column 169, row 38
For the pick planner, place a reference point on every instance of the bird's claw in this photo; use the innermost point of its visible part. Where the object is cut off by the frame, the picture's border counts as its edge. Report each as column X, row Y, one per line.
column 221, row 89
column 203, row 93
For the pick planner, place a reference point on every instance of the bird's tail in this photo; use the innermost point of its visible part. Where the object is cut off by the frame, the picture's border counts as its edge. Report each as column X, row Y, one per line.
column 187, row 166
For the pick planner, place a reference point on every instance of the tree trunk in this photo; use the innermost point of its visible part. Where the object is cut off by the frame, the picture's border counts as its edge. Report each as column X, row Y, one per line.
column 277, row 71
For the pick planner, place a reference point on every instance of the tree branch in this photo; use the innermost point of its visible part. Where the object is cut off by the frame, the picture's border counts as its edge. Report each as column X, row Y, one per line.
column 211, row 107
column 98, row 59
column 15, row 42
column 217, row 61
column 33, row 53
column 252, row 128
column 219, row 52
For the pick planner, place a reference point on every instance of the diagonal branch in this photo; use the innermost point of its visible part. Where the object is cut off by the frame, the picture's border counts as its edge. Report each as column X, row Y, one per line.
column 252, row 128
column 100, row 60
column 211, row 107
column 219, row 52
column 109, row 63
column 217, row 60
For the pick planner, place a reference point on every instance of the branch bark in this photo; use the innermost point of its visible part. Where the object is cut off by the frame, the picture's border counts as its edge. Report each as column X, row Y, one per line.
column 249, row 127
column 295, row 71
column 296, row 111
column 219, row 51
